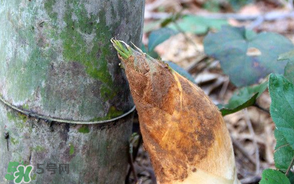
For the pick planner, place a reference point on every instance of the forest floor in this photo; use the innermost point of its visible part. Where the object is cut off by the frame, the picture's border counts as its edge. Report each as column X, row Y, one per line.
column 252, row 129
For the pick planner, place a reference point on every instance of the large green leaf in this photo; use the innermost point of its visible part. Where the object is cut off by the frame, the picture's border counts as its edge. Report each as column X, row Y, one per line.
column 216, row 5
column 243, row 98
column 270, row 176
column 237, row 4
column 180, row 70
column 291, row 177
column 171, row 19
column 289, row 68
column 282, row 106
column 282, row 113
column 249, row 102
column 287, row 56
column 158, row 36
column 151, row 26
column 283, row 152
column 197, row 24
column 246, row 58
column 289, row 71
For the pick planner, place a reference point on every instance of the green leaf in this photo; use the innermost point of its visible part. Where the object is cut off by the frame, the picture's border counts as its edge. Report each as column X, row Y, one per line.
column 289, row 71
column 237, row 4
column 289, row 68
column 283, row 152
column 180, row 70
column 225, row 111
column 212, row 5
column 246, row 57
column 249, row 34
column 289, row 56
column 282, row 106
column 270, row 176
column 291, row 177
column 197, row 24
column 243, row 98
column 171, row 19
column 151, row 26
column 158, row 36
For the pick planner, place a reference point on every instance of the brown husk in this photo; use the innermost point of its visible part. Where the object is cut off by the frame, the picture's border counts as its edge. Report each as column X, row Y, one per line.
column 183, row 131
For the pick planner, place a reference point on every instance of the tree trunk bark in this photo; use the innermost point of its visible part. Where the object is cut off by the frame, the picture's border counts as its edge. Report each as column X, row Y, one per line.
column 61, row 88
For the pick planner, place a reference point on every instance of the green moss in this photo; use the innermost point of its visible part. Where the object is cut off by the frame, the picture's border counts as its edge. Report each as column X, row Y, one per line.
column 19, row 62
column 71, row 149
column 20, row 124
column 26, row 107
column 13, row 140
column 84, row 129
column 10, row 116
column 49, row 8
column 29, row 59
column 18, row 118
column 23, row 117
column 38, row 149
column 81, row 36
column 34, row 176
column 113, row 112
column 85, row 39
column 95, row 54
column 106, row 92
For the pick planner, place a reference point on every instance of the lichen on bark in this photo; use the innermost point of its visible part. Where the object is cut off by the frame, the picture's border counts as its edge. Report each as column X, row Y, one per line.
column 44, row 41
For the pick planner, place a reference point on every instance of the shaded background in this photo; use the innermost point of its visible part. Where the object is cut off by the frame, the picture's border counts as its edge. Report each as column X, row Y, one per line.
column 252, row 129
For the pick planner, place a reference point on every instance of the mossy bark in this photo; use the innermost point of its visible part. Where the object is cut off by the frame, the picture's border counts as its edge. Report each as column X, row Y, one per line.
column 56, row 60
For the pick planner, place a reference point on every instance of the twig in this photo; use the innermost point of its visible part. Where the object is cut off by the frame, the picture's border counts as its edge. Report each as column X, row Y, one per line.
column 253, row 179
column 290, row 4
column 257, row 22
column 224, row 88
column 132, row 158
column 140, row 181
column 148, row 169
column 154, row 5
column 156, row 15
column 185, row 35
column 132, row 167
column 190, row 68
column 261, row 108
column 249, row 124
column 186, row 1
column 270, row 16
column 238, row 146
column 219, row 81
column 268, row 143
column 290, row 166
column 152, row 175
column 207, row 62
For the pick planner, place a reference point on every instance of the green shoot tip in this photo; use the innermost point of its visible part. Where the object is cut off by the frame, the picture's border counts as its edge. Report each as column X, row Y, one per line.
column 123, row 49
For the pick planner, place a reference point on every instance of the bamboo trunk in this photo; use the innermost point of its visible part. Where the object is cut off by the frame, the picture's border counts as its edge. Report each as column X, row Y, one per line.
column 59, row 79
